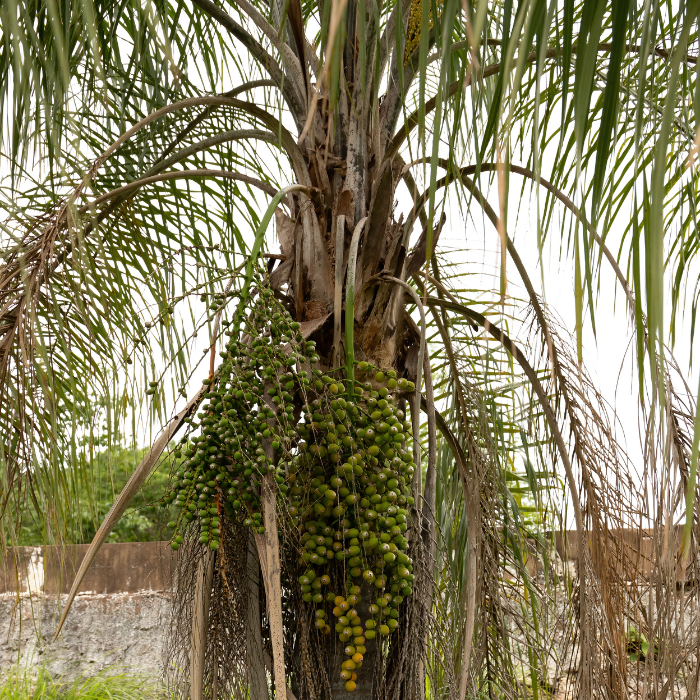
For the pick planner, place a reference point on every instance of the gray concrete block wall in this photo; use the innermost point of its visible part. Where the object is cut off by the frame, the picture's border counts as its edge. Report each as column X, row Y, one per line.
column 119, row 617
column 123, row 630
column 118, row 568
column 121, row 614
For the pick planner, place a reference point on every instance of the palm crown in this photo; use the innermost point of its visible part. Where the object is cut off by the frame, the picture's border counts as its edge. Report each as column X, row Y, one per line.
column 149, row 147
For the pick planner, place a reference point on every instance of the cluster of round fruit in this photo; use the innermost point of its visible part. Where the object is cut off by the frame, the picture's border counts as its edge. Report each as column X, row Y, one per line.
column 340, row 453
column 246, row 421
column 351, row 495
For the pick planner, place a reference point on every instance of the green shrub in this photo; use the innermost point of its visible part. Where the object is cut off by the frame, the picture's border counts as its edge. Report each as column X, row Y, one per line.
column 92, row 486
column 111, row 684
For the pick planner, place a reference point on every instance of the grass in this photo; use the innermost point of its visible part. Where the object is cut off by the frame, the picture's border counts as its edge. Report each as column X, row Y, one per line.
column 109, row 684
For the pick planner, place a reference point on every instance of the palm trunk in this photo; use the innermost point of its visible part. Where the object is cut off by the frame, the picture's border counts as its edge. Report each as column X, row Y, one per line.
column 352, row 187
column 381, row 336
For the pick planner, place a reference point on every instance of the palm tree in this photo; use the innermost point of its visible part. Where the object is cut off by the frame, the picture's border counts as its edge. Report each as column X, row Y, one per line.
column 147, row 148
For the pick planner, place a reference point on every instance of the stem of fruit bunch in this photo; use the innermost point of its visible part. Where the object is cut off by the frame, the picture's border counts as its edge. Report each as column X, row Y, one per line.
column 268, row 547
column 257, row 245
column 416, row 299
column 338, row 296
column 350, row 308
column 215, row 331
column 200, row 623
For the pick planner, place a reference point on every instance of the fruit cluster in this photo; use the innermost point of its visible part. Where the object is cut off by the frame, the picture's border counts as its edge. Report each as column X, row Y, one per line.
column 341, row 453
column 350, row 489
column 246, row 404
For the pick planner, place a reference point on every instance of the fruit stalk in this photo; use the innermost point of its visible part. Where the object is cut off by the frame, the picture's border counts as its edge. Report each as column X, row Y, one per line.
column 350, row 308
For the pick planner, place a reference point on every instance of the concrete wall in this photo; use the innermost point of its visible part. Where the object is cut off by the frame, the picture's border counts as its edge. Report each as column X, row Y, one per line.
column 102, row 630
column 118, row 618
column 641, row 555
column 118, row 568
column 121, row 613
column 131, row 567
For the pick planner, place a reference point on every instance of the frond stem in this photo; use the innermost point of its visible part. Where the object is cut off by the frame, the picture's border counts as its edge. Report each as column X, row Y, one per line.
column 141, row 473
column 520, row 358
column 178, row 175
column 416, row 299
column 253, row 84
column 550, row 187
column 471, row 508
column 289, row 89
column 271, row 33
column 338, row 296
column 216, row 140
column 412, row 120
